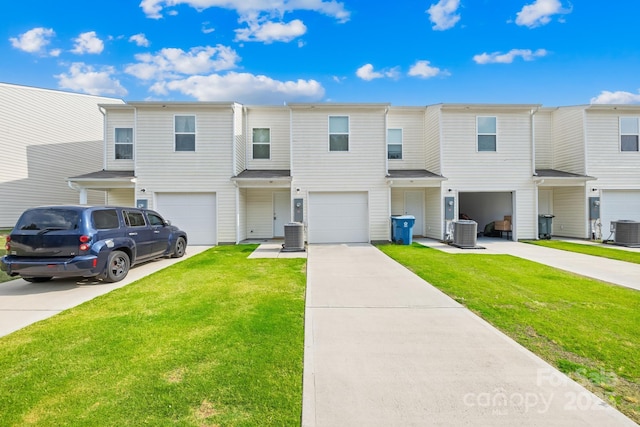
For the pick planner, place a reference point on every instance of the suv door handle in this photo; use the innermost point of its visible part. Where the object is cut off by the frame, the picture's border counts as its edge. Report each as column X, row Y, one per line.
column 156, row 232
column 133, row 234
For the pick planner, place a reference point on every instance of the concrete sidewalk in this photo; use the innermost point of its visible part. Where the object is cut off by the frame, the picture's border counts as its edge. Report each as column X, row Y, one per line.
column 608, row 270
column 385, row 348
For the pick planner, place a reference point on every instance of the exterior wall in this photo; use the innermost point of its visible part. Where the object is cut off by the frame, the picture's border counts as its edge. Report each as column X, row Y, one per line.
column 240, row 138
column 362, row 168
column 614, row 169
column 278, row 120
column 432, row 140
column 569, row 140
column 159, row 168
column 544, row 143
column 569, row 208
column 47, row 136
column 411, row 121
column 120, row 197
column 242, row 214
column 433, row 213
column 508, row 169
column 119, row 118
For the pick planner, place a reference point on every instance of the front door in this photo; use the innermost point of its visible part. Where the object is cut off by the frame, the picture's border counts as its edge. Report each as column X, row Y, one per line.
column 414, row 205
column 281, row 212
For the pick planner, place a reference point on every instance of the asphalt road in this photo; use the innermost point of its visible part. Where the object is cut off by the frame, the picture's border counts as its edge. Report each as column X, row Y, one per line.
column 23, row 303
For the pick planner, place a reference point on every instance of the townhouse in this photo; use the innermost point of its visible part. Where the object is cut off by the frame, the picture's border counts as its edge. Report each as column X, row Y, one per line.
column 227, row 172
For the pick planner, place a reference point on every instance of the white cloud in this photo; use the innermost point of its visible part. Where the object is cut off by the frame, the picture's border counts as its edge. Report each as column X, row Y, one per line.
column 34, row 40
column 509, row 57
column 153, row 8
column 174, row 63
column 424, row 70
column 140, row 39
column 367, row 73
column 269, row 32
column 443, row 14
column 539, row 13
column 243, row 87
column 86, row 79
column 618, row 97
column 88, row 43
column 206, row 29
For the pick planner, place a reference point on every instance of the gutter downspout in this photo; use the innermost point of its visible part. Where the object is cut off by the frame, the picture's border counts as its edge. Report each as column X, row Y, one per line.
column 81, row 190
column 104, row 137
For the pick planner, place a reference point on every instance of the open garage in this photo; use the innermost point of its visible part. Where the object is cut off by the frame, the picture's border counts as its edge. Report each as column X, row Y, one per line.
column 485, row 207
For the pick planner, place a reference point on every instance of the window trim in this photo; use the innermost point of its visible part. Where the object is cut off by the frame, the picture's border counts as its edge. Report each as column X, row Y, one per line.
column 253, row 143
column 478, row 134
column 348, row 133
column 401, row 144
column 620, row 134
column 115, row 143
column 194, row 133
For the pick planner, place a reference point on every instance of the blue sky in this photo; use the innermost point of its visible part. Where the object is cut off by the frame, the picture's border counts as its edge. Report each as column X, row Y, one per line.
column 405, row 52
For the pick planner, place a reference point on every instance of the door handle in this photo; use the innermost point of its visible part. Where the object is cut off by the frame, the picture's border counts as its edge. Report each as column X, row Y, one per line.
column 156, row 232
column 133, row 234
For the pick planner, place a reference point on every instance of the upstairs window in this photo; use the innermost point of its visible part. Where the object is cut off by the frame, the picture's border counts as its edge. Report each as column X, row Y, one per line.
column 261, row 143
column 185, row 133
column 124, row 143
column 338, row 133
column 487, row 133
column 629, row 133
column 394, row 144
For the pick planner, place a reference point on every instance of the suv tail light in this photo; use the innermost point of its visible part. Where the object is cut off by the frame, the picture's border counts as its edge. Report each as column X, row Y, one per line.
column 84, row 242
column 7, row 245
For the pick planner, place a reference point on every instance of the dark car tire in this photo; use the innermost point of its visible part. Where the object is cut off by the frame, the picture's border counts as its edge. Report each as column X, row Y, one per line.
column 180, row 248
column 37, row 279
column 117, row 267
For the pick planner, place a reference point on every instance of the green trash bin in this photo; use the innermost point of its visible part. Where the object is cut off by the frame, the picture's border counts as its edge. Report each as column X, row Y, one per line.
column 544, row 226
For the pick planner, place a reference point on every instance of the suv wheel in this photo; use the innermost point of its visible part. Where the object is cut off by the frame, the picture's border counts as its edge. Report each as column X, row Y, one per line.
column 117, row 267
column 180, row 248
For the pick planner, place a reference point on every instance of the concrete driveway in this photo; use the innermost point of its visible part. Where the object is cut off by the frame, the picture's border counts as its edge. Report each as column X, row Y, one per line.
column 23, row 303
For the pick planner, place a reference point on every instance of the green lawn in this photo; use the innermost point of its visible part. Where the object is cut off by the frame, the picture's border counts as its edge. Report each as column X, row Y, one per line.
column 588, row 329
column 214, row 340
column 611, row 251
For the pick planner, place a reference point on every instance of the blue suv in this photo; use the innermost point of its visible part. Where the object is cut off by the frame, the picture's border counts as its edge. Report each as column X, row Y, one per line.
column 88, row 241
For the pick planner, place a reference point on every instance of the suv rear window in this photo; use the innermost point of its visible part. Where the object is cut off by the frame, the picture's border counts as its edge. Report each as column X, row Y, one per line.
column 49, row 219
column 105, row 220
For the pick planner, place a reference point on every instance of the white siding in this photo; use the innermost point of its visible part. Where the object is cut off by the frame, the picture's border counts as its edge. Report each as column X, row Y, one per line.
column 47, row 136
column 432, row 139
column 119, row 118
column 120, row 197
column 613, row 168
column 433, row 214
column 569, row 208
column 569, row 140
column 314, row 168
column 239, row 139
column 278, row 120
column 411, row 121
column 161, row 169
column 242, row 214
column 544, row 139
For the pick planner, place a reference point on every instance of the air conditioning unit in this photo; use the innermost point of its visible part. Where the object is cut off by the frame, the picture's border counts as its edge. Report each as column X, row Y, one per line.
column 465, row 233
column 293, row 237
column 627, row 232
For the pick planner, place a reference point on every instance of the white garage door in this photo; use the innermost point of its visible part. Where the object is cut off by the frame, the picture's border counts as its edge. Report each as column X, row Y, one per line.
column 616, row 205
column 338, row 218
column 194, row 213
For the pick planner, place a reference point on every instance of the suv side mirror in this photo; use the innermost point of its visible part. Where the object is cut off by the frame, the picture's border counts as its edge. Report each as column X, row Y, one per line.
column 167, row 222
